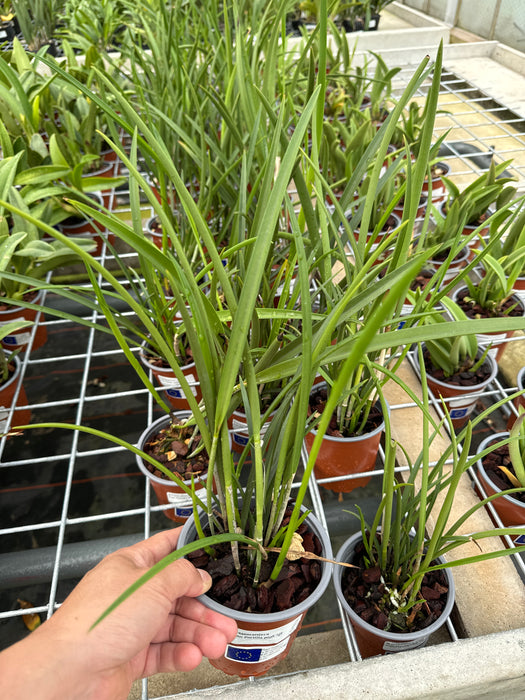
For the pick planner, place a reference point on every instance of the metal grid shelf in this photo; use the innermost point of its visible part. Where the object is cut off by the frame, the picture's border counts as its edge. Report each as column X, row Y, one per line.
column 66, row 500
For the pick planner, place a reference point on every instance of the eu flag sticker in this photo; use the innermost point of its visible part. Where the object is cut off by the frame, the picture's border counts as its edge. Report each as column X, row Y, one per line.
column 251, row 655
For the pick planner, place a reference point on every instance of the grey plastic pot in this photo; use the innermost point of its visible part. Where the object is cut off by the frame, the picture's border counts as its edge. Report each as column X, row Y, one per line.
column 371, row 640
column 497, row 341
column 263, row 639
column 520, row 401
column 166, row 490
column 461, row 400
column 510, row 510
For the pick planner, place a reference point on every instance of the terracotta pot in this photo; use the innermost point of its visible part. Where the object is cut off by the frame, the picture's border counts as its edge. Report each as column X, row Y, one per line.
column 498, row 341
column 519, row 288
column 263, row 639
column 393, row 223
column 455, row 266
column 461, row 401
column 167, row 380
column 20, row 339
column 520, row 401
column 476, row 242
column 154, row 234
column 166, row 490
column 439, row 191
column 108, row 155
column 13, row 415
column 371, row 640
column 106, row 170
column 467, row 231
column 154, row 185
column 340, row 457
column 238, row 427
column 423, row 201
column 511, row 511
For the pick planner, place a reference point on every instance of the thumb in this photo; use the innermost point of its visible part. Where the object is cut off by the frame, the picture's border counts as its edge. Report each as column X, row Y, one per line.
column 180, row 579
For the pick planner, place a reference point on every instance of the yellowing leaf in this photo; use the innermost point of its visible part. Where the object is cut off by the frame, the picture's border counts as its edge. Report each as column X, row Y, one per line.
column 31, row 620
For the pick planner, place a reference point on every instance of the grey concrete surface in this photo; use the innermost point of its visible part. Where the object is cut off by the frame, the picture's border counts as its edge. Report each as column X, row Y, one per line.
column 487, row 667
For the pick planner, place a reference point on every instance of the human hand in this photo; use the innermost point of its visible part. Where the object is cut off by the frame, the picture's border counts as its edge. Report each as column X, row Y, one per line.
column 160, row 628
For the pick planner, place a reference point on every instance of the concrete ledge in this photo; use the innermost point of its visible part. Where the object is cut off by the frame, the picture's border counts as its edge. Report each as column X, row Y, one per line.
column 488, row 667
column 409, row 55
column 510, row 58
column 413, row 16
column 402, row 39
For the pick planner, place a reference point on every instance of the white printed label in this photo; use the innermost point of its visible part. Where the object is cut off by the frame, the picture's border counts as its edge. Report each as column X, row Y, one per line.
column 243, row 428
column 438, row 193
column 272, row 636
column 182, row 499
column 16, row 338
column 459, row 408
column 4, row 415
column 405, row 646
column 251, row 655
column 239, row 425
column 20, row 339
column 183, row 503
column 493, row 340
column 240, row 432
column 173, row 385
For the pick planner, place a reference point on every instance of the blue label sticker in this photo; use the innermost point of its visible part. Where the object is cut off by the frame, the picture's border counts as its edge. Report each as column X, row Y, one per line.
column 183, row 512
column 9, row 340
column 243, row 654
column 458, row 413
column 175, row 393
column 240, row 439
column 520, row 539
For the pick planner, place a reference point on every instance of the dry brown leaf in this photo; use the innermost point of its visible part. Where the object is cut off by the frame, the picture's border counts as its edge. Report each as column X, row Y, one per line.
column 296, row 550
column 310, row 555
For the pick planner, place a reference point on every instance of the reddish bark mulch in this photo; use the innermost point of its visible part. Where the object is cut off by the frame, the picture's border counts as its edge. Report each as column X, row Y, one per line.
column 462, row 378
column 28, row 296
column 442, row 255
column 422, row 279
column 367, row 596
column 296, row 581
column 172, row 449
column 474, row 310
column 161, row 363
column 491, row 463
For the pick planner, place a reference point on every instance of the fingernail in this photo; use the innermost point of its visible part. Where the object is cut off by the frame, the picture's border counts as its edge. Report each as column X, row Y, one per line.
column 206, row 579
